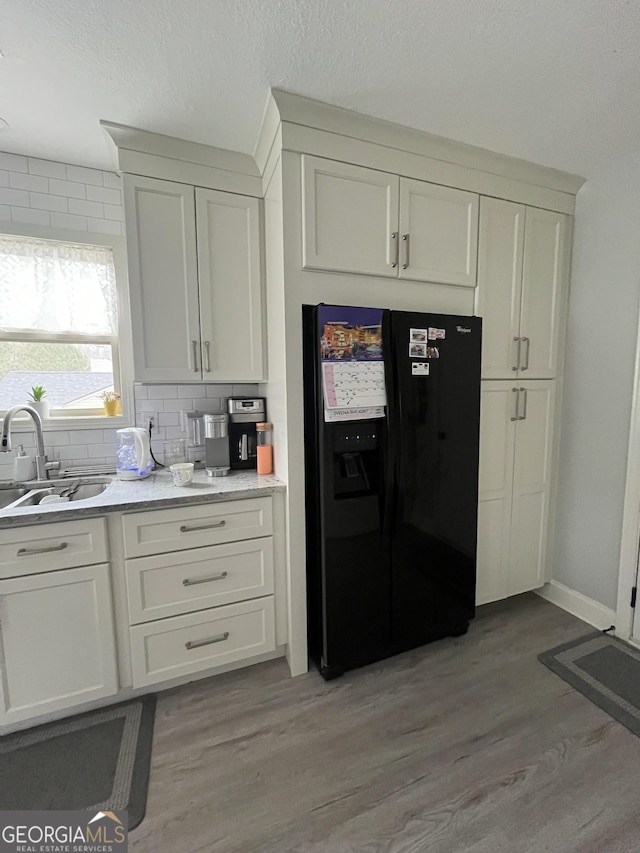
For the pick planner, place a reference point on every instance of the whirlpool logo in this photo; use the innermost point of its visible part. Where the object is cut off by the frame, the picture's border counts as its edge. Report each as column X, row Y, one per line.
column 63, row 832
column 463, row 330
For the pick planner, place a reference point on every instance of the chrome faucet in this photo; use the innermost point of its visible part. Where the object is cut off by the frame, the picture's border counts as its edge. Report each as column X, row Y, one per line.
column 42, row 466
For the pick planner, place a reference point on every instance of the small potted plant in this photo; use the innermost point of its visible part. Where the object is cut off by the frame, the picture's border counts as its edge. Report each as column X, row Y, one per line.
column 37, row 401
column 111, row 403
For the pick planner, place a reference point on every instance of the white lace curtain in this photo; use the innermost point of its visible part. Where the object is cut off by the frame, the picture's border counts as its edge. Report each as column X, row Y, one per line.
column 57, row 287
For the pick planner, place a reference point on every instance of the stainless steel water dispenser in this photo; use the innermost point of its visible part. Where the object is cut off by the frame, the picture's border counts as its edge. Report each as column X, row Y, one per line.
column 216, row 445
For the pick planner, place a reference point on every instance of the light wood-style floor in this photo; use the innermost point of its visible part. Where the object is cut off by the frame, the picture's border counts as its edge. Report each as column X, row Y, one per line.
column 468, row 744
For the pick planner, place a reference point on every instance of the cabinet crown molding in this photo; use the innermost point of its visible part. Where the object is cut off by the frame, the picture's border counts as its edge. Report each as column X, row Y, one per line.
column 146, row 142
column 317, row 115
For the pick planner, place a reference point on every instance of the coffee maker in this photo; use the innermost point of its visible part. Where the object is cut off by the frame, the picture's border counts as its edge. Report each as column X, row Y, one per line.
column 244, row 414
column 216, row 444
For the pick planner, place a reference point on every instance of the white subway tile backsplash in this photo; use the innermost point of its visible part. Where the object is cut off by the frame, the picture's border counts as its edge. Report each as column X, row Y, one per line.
column 109, row 436
column 149, row 406
column 114, row 211
column 5, row 213
column 13, row 162
column 104, row 450
column 140, row 392
column 173, row 432
column 85, row 208
column 72, row 453
column 191, row 390
column 85, row 436
column 110, row 179
column 33, row 183
column 174, row 405
column 162, row 392
column 250, row 389
column 47, row 168
column 208, row 404
column 44, row 201
column 30, row 216
column 4, row 178
column 104, row 195
column 168, row 419
column 104, row 226
column 83, row 175
column 17, row 198
column 66, row 220
column 67, row 188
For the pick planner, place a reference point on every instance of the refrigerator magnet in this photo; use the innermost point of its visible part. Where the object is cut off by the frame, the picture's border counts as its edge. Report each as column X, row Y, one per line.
column 418, row 335
column 433, row 352
column 420, row 368
column 437, row 334
column 417, row 350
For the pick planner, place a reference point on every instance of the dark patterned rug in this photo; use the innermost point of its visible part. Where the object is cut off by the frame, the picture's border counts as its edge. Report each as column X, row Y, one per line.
column 605, row 670
column 96, row 762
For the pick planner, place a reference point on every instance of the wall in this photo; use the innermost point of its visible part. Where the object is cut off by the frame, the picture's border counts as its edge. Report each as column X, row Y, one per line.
column 81, row 447
column 48, row 194
column 59, row 195
column 600, row 356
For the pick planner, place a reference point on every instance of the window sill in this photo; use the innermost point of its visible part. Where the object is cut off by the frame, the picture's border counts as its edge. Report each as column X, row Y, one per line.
column 56, row 424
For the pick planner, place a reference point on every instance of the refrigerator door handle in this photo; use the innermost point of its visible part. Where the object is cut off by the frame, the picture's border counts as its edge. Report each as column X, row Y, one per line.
column 524, row 408
column 517, row 364
column 516, row 418
column 394, row 249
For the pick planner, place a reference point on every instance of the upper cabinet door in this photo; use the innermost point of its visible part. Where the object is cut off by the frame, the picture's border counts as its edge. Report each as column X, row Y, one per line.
column 499, row 286
column 228, row 228
column 543, row 284
column 350, row 217
column 163, row 279
column 438, row 233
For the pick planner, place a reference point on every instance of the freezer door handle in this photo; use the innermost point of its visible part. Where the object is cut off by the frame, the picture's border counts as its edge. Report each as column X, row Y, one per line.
column 517, row 364
column 516, row 418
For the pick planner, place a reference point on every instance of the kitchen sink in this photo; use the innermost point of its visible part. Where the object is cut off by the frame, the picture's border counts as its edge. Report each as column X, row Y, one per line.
column 37, row 493
column 8, row 496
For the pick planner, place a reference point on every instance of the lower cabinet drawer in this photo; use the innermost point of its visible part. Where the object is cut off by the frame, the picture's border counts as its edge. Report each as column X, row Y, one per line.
column 186, row 645
column 47, row 547
column 185, row 581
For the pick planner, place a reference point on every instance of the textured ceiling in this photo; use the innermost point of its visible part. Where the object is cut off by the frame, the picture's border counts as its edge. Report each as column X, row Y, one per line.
column 552, row 81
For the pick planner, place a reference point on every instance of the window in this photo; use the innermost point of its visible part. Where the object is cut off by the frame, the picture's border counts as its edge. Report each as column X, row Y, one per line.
column 58, row 324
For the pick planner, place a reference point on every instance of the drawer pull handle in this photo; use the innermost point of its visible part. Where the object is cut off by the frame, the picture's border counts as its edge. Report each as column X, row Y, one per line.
column 195, row 644
column 26, row 552
column 194, row 581
column 185, row 529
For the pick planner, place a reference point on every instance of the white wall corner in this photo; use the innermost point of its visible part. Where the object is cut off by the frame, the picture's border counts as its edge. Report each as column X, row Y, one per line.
column 579, row 605
column 266, row 136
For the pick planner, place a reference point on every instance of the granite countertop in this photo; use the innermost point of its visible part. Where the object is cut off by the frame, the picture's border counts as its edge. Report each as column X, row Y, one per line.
column 154, row 492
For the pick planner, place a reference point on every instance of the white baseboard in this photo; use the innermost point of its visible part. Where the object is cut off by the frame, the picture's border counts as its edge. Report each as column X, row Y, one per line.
column 579, row 605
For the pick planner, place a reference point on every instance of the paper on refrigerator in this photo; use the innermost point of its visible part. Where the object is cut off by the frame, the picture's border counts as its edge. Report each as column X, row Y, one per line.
column 352, row 362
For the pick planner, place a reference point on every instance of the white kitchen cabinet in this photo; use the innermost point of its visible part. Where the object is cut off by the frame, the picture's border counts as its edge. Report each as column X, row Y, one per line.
column 57, row 646
column 522, row 277
column 201, row 587
column 195, row 282
column 358, row 220
column 350, row 218
column 228, row 238
column 516, row 437
column 163, row 279
column 196, row 642
column 438, row 233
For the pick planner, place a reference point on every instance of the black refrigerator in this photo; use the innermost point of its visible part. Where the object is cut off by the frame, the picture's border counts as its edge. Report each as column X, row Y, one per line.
column 392, row 413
